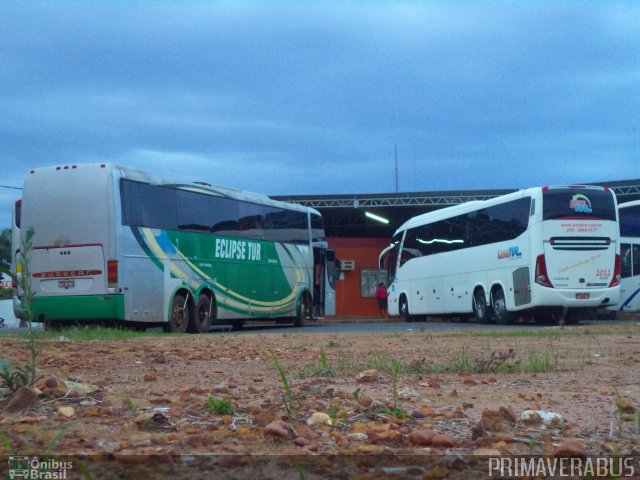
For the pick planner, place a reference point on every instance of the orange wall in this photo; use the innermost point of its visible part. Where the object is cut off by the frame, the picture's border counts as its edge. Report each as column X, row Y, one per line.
column 364, row 252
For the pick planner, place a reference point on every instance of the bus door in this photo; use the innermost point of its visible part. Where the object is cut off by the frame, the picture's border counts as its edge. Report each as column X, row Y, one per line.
column 630, row 284
column 324, row 278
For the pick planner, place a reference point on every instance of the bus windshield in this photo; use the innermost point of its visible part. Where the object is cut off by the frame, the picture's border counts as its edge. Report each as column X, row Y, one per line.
column 630, row 221
column 563, row 203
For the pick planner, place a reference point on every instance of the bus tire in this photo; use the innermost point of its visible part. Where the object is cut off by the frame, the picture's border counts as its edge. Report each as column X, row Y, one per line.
column 499, row 306
column 404, row 310
column 480, row 310
column 304, row 312
column 201, row 321
column 179, row 320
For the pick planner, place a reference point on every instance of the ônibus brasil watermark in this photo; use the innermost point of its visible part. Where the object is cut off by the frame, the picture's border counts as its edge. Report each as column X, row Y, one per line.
column 557, row 467
column 35, row 469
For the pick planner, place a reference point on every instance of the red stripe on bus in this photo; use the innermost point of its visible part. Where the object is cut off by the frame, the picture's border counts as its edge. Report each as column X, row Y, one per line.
column 68, row 246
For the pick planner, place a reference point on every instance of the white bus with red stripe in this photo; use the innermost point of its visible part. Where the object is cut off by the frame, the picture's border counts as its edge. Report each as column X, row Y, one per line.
column 544, row 252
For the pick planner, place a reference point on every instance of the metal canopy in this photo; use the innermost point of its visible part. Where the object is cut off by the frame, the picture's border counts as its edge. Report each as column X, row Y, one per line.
column 344, row 213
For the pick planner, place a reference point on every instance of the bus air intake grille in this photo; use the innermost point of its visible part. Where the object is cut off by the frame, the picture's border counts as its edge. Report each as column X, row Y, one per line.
column 580, row 243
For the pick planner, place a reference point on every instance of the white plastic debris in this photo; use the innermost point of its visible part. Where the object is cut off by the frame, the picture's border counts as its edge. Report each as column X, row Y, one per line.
column 548, row 418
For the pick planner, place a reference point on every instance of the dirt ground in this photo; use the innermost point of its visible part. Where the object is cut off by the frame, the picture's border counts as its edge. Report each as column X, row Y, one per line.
column 416, row 404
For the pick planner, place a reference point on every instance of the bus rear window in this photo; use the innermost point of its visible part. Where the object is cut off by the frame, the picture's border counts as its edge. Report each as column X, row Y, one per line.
column 562, row 203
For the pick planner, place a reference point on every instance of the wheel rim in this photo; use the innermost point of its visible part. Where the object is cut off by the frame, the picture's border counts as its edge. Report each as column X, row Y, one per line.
column 203, row 315
column 179, row 317
column 404, row 309
column 499, row 306
column 306, row 310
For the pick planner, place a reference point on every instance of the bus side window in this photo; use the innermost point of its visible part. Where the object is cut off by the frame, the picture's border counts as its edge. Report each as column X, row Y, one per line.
column 625, row 260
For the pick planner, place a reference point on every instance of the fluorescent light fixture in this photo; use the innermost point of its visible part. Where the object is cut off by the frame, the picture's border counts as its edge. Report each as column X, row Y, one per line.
column 440, row 240
column 376, row 217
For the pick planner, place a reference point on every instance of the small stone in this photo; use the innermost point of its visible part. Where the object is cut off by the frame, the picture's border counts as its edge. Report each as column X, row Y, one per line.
column 422, row 438
column 341, row 440
column 433, row 383
column 625, row 404
column 221, row 388
column 75, row 389
column 67, row 411
column 443, row 440
column 21, row 399
column 570, row 447
column 154, row 421
column 487, row 452
column 498, row 420
column 383, row 436
column 319, row 418
column 276, row 429
column 423, row 412
column 367, row 376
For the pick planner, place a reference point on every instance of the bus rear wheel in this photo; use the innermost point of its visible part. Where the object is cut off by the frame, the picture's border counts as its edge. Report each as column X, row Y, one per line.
column 179, row 320
column 205, row 313
column 480, row 305
column 499, row 306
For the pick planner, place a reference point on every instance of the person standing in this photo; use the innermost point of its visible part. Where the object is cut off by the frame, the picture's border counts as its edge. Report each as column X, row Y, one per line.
column 381, row 295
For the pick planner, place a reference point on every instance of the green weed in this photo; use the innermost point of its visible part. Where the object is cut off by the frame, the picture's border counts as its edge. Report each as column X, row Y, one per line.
column 130, row 403
column 220, row 406
column 288, row 393
column 15, row 379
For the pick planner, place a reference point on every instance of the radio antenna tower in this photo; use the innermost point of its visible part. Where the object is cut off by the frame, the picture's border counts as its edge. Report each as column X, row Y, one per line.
column 396, row 166
column 395, row 156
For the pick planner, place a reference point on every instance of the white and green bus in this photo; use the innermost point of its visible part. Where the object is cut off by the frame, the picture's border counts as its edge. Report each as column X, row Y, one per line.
column 112, row 243
column 545, row 252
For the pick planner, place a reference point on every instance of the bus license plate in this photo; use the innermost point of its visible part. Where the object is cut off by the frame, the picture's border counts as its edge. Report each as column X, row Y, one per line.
column 582, row 296
column 66, row 283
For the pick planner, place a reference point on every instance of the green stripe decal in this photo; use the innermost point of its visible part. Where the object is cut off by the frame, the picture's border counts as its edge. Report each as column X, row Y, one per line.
column 79, row 307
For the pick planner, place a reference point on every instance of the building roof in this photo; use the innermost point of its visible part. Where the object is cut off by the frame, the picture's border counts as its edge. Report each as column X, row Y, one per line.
column 344, row 214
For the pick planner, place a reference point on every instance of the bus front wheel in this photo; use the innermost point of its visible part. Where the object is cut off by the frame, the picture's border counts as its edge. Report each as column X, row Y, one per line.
column 304, row 312
column 404, row 310
column 179, row 320
column 480, row 306
column 205, row 313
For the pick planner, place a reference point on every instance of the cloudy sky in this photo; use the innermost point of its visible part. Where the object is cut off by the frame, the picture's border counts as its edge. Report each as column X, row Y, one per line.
column 304, row 97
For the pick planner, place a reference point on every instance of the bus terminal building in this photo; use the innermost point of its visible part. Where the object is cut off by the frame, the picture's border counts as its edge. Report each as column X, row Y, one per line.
column 360, row 226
